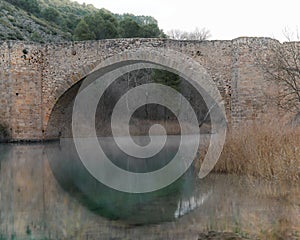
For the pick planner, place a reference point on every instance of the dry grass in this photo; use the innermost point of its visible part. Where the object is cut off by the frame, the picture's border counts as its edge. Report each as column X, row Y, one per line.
column 267, row 149
column 140, row 127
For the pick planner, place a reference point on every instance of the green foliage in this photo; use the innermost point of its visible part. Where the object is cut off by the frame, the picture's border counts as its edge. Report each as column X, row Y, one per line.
column 82, row 31
column 108, row 25
column 129, row 28
column 36, row 37
column 103, row 25
column 31, row 6
column 141, row 20
column 167, row 78
column 51, row 14
column 70, row 22
column 150, row 31
column 99, row 25
column 64, row 13
column 83, row 21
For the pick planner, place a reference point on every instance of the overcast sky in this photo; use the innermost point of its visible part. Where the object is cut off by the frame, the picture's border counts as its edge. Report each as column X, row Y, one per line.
column 226, row 19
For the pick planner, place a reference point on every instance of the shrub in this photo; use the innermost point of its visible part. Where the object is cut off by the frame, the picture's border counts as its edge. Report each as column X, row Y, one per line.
column 267, row 149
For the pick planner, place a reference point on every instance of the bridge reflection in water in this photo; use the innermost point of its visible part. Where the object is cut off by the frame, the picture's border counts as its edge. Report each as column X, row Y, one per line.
column 130, row 208
column 45, row 193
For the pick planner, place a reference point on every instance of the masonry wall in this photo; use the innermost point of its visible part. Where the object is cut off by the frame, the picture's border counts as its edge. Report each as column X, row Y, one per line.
column 249, row 86
column 33, row 77
column 21, row 96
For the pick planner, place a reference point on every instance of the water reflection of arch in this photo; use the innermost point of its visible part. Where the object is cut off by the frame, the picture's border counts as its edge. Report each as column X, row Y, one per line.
column 144, row 208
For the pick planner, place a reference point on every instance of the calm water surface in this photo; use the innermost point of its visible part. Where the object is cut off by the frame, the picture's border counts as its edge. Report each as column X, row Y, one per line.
column 46, row 193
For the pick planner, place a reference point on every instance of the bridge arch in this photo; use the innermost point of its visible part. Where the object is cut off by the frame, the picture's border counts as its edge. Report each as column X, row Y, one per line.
column 168, row 59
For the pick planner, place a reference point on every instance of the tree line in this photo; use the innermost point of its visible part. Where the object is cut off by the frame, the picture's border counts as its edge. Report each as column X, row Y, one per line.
column 104, row 25
column 85, row 22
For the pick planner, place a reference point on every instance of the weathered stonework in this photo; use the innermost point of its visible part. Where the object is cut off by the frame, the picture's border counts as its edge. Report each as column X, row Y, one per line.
column 33, row 77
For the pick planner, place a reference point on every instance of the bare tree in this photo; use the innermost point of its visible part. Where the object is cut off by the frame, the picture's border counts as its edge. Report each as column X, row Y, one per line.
column 282, row 67
column 197, row 34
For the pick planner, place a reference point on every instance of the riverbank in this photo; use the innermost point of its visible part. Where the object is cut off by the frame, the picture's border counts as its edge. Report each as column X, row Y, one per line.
column 266, row 149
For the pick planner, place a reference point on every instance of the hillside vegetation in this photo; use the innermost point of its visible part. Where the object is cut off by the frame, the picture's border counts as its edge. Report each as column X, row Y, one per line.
column 61, row 20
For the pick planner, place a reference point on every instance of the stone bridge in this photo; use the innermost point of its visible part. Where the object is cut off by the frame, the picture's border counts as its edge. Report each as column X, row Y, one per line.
column 38, row 81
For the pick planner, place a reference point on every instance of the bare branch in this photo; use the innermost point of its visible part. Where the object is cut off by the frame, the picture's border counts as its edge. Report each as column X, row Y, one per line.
column 281, row 65
column 198, row 34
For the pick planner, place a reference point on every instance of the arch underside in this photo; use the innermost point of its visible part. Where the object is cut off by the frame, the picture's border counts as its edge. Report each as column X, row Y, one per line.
column 60, row 121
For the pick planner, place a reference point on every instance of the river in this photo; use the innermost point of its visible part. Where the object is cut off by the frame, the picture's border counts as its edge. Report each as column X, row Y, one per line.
column 45, row 194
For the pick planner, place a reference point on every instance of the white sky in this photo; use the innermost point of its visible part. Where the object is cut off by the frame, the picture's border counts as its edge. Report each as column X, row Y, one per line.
column 226, row 19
